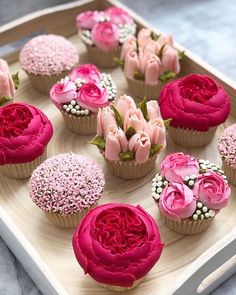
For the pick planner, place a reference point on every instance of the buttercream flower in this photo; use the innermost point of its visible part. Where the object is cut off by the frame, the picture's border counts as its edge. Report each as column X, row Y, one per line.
column 212, row 190
column 7, row 88
column 105, row 120
column 124, row 104
column 4, row 66
column 156, row 130
column 152, row 69
column 140, row 144
column 88, row 19
column 151, row 46
column 116, row 142
column 165, row 40
column 175, row 167
column 144, row 36
column 177, row 201
column 170, row 60
column 129, row 45
column 88, row 72
column 118, row 16
column 105, row 35
column 134, row 119
column 132, row 64
column 92, row 96
column 153, row 110
column 63, row 92
column 117, row 244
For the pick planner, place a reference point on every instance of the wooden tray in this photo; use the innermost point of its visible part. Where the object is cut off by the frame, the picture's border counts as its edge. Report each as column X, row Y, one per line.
column 189, row 264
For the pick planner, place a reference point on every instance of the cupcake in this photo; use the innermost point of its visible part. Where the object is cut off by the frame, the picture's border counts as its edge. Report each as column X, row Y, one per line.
column 189, row 193
column 148, row 62
column 8, row 83
column 130, row 137
column 24, row 134
column 103, row 33
column 197, row 105
column 227, row 149
column 79, row 96
column 46, row 59
column 117, row 245
column 66, row 187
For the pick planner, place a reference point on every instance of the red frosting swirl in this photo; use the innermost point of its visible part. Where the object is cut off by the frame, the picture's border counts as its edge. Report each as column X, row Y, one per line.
column 195, row 102
column 24, row 133
column 117, row 244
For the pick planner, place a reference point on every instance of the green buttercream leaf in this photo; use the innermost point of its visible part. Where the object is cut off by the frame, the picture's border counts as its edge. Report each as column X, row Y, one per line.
column 126, row 156
column 167, row 122
column 181, row 54
column 16, row 80
column 143, row 107
column 154, row 36
column 98, row 141
column 139, row 76
column 130, row 132
column 166, row 76
column 4, row 99
column 160, row 53
column 118, row 117
column 120, row 62
column 155, row 148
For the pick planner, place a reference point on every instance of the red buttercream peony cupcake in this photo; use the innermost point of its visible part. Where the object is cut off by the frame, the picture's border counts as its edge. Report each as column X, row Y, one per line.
column 117, row 245
column 197, row 105
column 24, row 134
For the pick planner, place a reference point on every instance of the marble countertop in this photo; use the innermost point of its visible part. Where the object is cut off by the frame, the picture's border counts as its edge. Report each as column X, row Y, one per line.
column 206, row 27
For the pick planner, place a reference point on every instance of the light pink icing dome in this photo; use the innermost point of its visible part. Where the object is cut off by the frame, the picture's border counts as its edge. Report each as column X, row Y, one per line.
column 66, row 184
column 48, row 55
column 227, row 145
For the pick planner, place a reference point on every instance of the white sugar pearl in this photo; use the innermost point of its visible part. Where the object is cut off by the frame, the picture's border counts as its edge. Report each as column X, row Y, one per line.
column 191, row 182
column 86, row 112
column 193, row 176
column 78, row 113
column 67, row 110
column 207, row 215
column 195, row 217
column 82, row 112
column 198, row 212
column 202, row 216
column 77, row 107
column 64, row 106
column 201, row 161
column 159, row 177
column 73, row 111
column 154, row 184
column 73, row 102
column 214, row 168
column 156, row 196
column 165, row 182
column 204, row 209
column 212, row 213
column 159, row 189
column 159, row 183
column 199, row 205
column 153, row 189
column 70, row 106
column 204, row 167
column 186, row 178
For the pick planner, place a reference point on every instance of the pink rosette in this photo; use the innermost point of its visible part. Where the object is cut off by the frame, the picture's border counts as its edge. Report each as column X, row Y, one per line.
column 117, row 244
column 88, row 19
column 88, row 72
column 118, row 16
column 212, row 190
column 177, row 201
column 176, row 166
column 63, row 92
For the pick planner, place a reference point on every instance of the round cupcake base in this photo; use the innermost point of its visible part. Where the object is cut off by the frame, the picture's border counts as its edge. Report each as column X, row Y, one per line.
column 122, row 289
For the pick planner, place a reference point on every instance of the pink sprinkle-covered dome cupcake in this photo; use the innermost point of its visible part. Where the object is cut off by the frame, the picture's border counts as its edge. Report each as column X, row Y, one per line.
column 189, row 193
column 117, row 245
column 80, row 95
column 66, row 187
column 197, row 104
column 227, row 149
column 24, row 134
column 46, row 59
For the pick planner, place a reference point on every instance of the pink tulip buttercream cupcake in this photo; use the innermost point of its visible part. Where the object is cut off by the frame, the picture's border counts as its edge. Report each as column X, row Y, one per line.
column 103, row 33
column 189, row 193
column 80, row 95
column 117, row 245
column 130, row 137
column 24, row 134
column 149, row 61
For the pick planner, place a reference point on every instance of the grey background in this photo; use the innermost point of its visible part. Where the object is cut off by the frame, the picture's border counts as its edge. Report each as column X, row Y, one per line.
column 206, row 27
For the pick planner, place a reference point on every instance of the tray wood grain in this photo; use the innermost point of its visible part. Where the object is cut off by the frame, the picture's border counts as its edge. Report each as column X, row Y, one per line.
column 46, row 251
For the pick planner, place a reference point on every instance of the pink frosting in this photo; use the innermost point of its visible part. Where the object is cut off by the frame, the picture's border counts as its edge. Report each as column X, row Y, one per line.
column 88, row 72
column 63, row 92
column 117, row 244
column 48, row 55
column 24, row 133
column 66, row 184
column 7, row 87
column 118, row 16
column 125, row 103
column 134, row 119
column 88, row 19
column 196, row 102
column 140, row 144
column 105, row 120
column 153, row 110
column 175, row 167
column 156, row 130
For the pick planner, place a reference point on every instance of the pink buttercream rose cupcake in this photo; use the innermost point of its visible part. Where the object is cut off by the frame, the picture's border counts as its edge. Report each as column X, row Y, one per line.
column 121, row 258
column 197, row 104
column 66, row 187
column 103, row 33
column 130, row 137
column 24, row 134
column 46, row 59
column 189, row 193
column 149, row 61
column 79, row 96
column 227, row 150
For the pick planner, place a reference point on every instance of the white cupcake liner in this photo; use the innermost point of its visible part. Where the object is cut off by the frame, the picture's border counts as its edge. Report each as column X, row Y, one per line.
column 122, row 289
column 230, row 172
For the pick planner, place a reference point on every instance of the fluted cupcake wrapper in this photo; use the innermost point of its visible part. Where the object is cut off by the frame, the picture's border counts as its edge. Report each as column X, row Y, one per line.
column 84, row 125
column 186, row 226
column 104, row 59
column 230, row 172
column 191, row 138
column 23, row 170
column 122, row 289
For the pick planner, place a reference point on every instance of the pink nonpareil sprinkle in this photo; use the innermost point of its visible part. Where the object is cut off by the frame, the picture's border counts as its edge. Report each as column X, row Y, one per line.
column 227, row 145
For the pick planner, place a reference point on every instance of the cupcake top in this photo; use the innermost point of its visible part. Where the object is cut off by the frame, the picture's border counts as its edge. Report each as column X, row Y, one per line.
column 66, row 184
column 83, row 91
column 117, row 244
column 227, row 145
column 194, row 102
column 190, row 188
column 48, row 55
column 150, row 57
column 24, row 133
column 129, row 132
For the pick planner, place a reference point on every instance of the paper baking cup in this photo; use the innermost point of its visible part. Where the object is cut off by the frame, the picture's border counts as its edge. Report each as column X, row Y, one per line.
column 122, row 289
column 84, row 125
column 191, row 138
column 131, row 169
column 104, row 59
column 23, row 170
column 230, row 172
column 186, row 226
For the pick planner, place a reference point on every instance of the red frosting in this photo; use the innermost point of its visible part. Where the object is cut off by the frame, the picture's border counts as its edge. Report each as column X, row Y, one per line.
column 194, row 102
column 24, row 133
column 117, row 244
